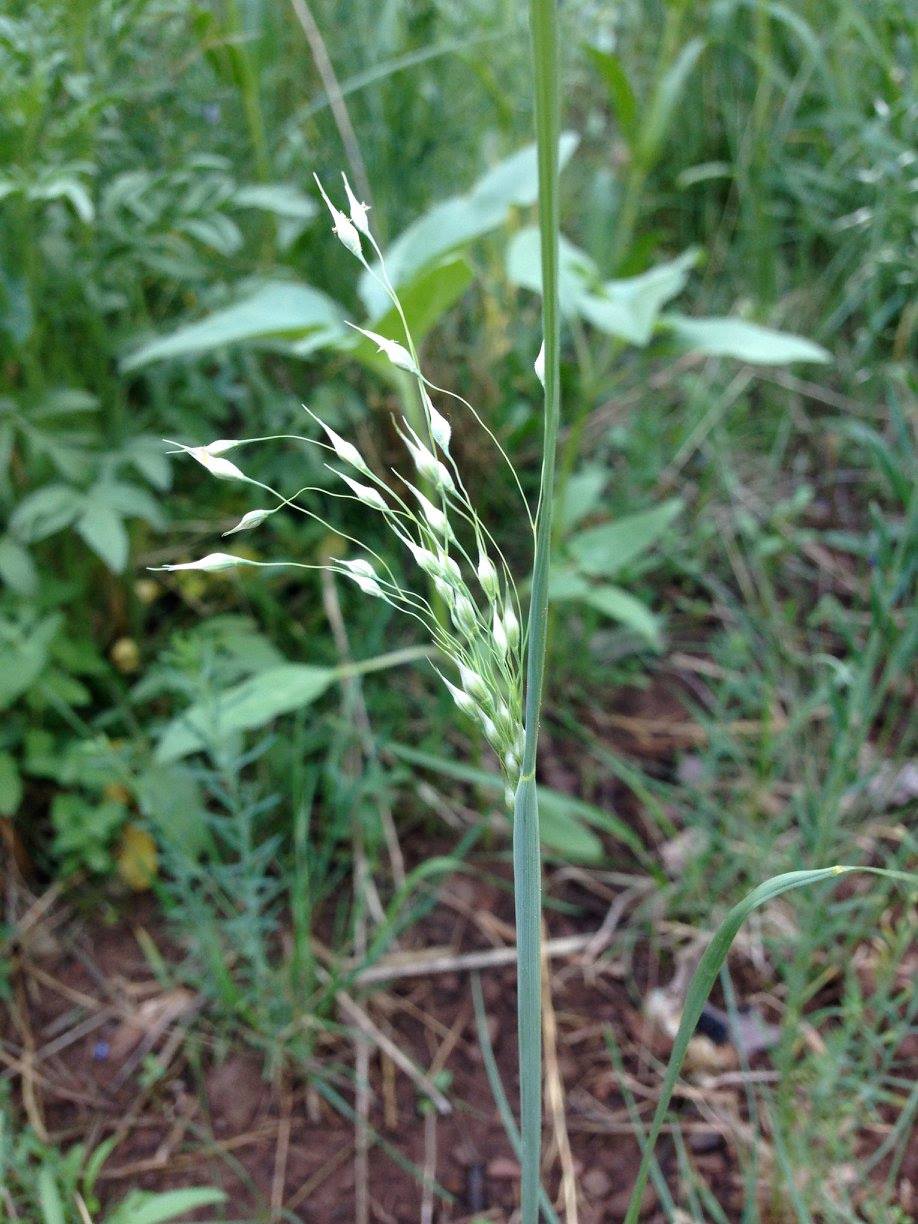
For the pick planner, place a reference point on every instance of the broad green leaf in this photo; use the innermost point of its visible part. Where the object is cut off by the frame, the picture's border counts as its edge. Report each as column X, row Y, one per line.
column 747, row 341
column 129, row 500
column 171, row 799
column 279, row 310
column 700, row 987
column 10, row 785
column 566, row 583
column 605, row 550
column 620, row 606
column 425, row 300
column 281, row 199
column 245, row 707
column 64, row 401
column 146, row 1207
column 621, row 94
column 582, row 495
column 146, row 454
column 577, row 273
column 103, row 530
column 23, row 656
column 17, row 569
column 45, row 511
column 628, row 308
column 457, row 221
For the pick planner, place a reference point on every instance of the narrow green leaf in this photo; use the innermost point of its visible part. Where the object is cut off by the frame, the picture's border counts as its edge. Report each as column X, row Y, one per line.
column 621, row 95
column 655, row 124
column 142, row 1207
column 700, row 987
column 559, row 810
column 49, row 1198
column 10, row 785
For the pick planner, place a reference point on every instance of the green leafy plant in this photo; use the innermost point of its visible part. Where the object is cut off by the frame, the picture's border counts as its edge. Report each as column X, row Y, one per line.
column 43, row 1184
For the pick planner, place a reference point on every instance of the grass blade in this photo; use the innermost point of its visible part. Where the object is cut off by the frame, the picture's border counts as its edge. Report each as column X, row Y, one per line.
column 700, row 987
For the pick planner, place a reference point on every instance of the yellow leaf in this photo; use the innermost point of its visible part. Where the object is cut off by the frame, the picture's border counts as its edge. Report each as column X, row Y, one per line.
column 137, row 858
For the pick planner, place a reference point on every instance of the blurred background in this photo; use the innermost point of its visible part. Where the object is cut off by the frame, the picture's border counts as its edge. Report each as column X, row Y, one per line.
column 222, row 918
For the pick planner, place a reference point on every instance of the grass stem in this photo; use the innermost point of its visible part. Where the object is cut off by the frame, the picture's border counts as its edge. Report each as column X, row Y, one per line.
column 526, row 856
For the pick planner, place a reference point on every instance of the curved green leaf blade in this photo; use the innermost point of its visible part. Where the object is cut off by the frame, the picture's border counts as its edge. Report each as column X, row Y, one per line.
column 700, row 987
column 278, row 310
column 605, row 550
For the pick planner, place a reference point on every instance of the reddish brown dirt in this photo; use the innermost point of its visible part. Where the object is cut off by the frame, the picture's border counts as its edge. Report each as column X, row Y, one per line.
column 88, row 1014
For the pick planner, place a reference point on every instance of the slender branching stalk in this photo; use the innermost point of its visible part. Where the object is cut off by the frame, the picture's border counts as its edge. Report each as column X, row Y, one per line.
column 526, row 857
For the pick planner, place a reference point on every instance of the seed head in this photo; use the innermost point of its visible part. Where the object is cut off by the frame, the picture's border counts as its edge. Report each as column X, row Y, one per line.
column 450, row 568
column 511, row 626
column 342, row 226
column 462, row 699
column 209, row 564
column 499, row 634
column 397, row 353
column 437, row 520
column 346, row 451
column 429, row 466
column 440, row 428
column 210, row 459
column 249, row 520
column 369, row 586
column 358, row 211
column 359, row 567
column 444, row 589
column 364, row 493
column 472, row 682
column 463, row 614
column 487, row 576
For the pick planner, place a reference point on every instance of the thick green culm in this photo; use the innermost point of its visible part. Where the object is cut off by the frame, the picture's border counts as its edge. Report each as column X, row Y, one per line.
column 526, row 859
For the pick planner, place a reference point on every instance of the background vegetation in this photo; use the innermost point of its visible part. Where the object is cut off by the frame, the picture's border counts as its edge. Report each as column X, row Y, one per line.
column 165, row 271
